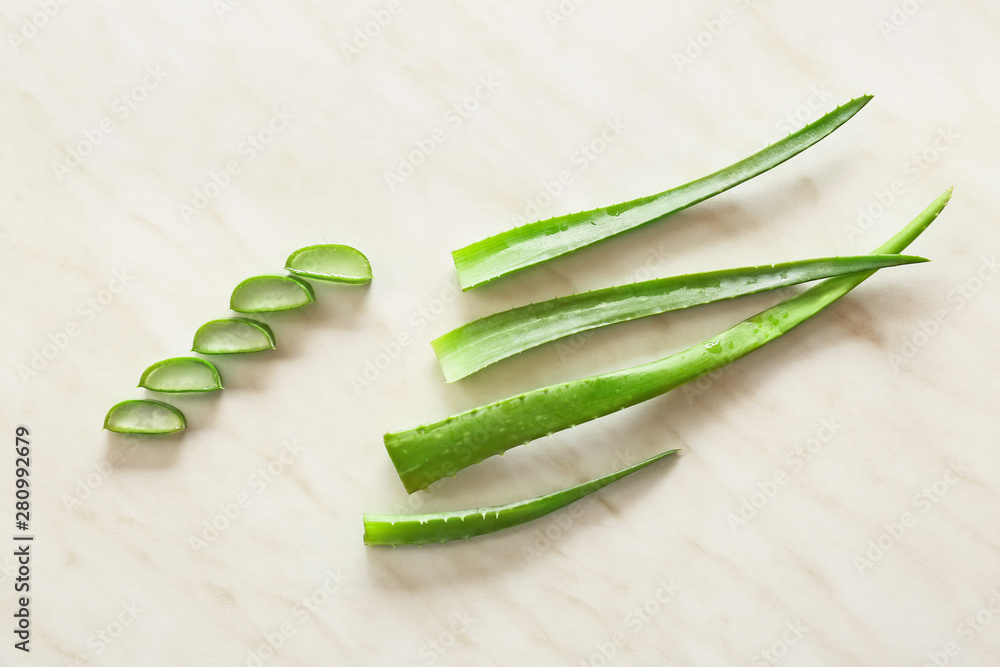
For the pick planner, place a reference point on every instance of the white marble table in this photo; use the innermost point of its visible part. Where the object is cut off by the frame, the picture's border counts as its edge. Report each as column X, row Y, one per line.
column 835, row 502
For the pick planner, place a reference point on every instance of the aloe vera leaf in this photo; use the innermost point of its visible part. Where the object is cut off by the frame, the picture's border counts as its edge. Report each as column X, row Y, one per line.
column 330, row 262
column 264, row 294
column 478, row 344
column 144, row 416
column 428, row 453
column 181, row 374
column 233, row 335
column 388, row 529
column 537, row 242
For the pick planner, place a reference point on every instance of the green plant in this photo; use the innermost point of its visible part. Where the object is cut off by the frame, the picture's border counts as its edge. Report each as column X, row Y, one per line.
column 478, row 344
column 330, row 262
column 385, row 529
column 233, row 335
column 537, row 242
column 264, row 294
column 428, row 453
column 181, row 375
column 144, row 416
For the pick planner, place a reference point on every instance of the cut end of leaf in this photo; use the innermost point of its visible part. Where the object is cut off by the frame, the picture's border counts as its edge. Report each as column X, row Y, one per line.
column 144, row 416
column 331, row 262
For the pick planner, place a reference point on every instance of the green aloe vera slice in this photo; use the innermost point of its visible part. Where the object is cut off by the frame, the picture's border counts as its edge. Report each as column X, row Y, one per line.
column 180, row 375
column 144, row 416
column 478, row 344
column 540, row 241
column 234, row 335
column 264, row 294
column 428, row 453
column 331, row 262
column 383, row 529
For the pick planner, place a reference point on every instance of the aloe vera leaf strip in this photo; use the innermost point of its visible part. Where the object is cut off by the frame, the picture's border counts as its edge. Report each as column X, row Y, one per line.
column 428, row 453
column 540, row 241
column 383, row 529
column 485, row 341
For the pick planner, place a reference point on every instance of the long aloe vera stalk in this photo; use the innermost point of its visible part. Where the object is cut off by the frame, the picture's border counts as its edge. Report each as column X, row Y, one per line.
column 393, row 529
column 478, row 344
column 428, row 453
column 540, row 241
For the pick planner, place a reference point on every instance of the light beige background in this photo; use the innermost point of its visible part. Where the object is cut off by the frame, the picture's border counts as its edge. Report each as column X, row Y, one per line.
column 111, row 261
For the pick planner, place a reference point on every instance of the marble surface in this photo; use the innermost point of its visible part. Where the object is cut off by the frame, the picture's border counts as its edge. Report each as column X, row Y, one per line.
column 835, row 501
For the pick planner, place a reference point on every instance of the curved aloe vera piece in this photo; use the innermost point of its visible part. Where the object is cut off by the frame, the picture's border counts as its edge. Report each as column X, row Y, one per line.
column 428, row 453
column 331, row 262
column 144, row 416
column 478, row 344
column 181, row 374
column 540, row 241
column 382, row 529
column 264, row 294
column 234, row 335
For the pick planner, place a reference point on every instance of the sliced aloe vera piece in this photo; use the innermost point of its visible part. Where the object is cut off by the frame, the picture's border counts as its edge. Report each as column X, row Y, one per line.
column 394, row 529
column 540, row 241
column 233, row 335
column 144, row 416
column 264, row 294
column 478, row 344
column 180, row 375
column 428, row 453
column 335, row 263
